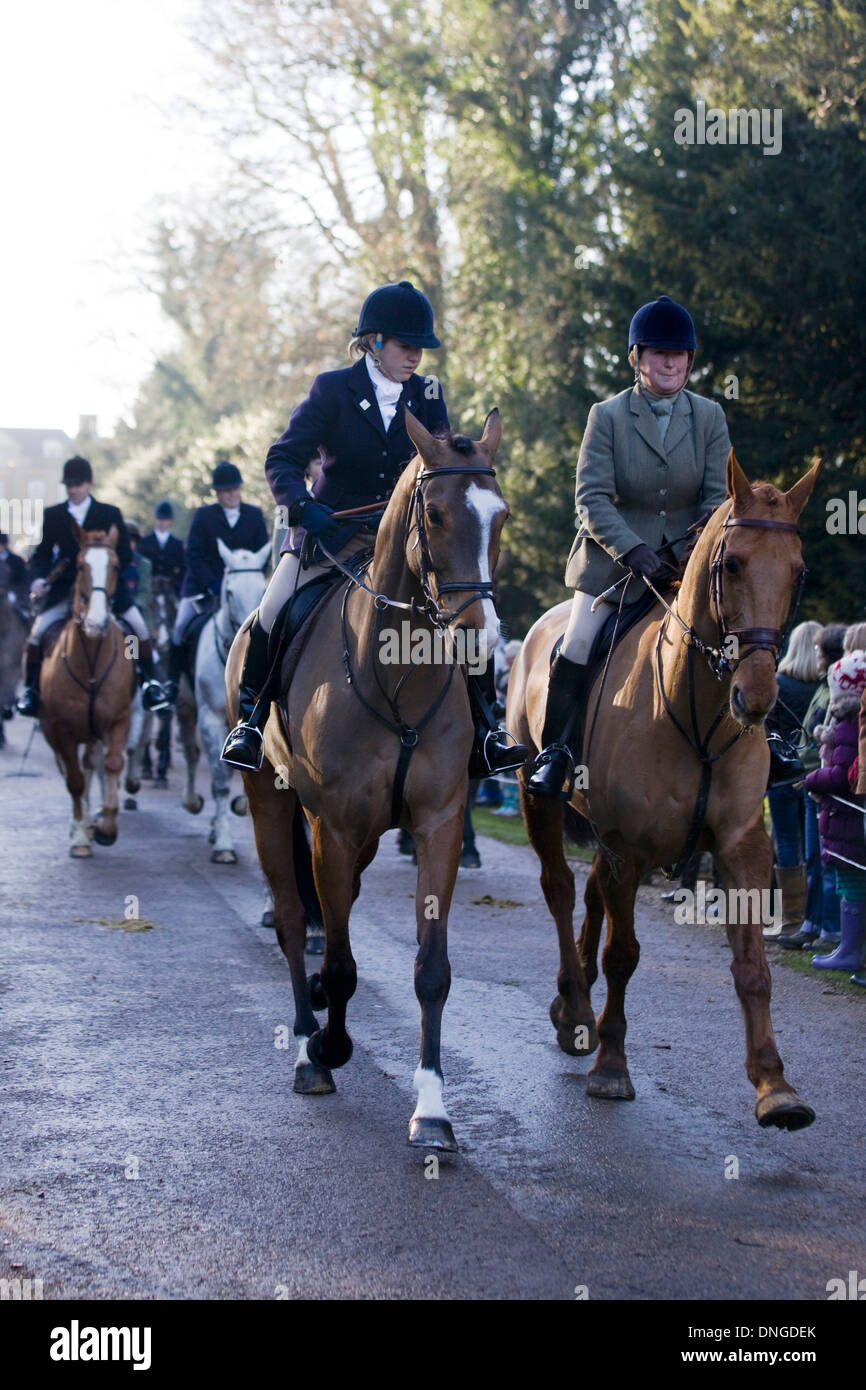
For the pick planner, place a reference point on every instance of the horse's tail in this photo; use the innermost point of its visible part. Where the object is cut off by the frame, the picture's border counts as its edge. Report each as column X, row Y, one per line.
column 304, row 868
column 577, row 828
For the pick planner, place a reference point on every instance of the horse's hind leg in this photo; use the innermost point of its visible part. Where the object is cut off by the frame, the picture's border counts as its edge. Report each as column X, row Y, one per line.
column 609, row 1078
column 273, row 810
column 743, row 865
column 571, row 1011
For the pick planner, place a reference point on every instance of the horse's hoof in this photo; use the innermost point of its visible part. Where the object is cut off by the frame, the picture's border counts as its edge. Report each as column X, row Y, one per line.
column 579, row 1041
column 311, row 1080
column 195, row 807
column 130, row 804
column 223, row 856
column 132, row 786
column 432, row 1134
column 604, row 1087
column 785, row 1110
column 80, row 852
column 324, row 1053
column 239, row 805
column 318, row 997
column 102, row 837
column 314, row 944
column 268, row 918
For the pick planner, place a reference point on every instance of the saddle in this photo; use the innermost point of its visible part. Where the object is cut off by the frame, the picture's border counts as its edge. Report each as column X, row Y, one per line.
column 604, row 639
column 189, row 645
column 294, row 625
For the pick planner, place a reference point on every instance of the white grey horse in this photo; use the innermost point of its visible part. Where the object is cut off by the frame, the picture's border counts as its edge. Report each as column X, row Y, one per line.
column 242, row 588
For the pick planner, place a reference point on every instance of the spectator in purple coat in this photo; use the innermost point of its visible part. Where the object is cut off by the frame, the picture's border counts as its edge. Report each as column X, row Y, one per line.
column 840, row 824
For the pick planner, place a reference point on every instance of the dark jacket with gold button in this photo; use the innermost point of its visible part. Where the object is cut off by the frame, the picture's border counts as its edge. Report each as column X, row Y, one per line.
column 341, row 422
column 632, row 488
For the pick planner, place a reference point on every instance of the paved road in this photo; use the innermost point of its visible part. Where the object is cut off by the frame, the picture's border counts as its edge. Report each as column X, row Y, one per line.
column 152, row 1052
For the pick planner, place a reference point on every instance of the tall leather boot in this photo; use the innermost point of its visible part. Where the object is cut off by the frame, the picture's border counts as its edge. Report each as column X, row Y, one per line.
column 245, row 745
column 567, row 690
column 491, row 751
column 29, row 701
column 175, row 671
column 792, row 885
column 152, row 694
column 848, row 955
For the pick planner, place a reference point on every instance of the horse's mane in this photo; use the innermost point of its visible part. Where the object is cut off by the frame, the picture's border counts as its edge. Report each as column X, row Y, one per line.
column 460, row 443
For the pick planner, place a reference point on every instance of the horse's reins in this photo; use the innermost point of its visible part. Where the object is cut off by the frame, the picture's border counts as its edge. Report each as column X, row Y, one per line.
column 721, row 664
column 93, row 686
column 440, row 618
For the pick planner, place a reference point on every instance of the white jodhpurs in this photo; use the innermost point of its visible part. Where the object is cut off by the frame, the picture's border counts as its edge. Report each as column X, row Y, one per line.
column 583, row 625
column 288, row 576
column 132, row 616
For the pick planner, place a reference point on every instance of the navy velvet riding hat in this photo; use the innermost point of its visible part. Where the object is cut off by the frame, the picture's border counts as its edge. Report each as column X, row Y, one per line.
column 663, row 324
column 226, row 475
column 399, row 311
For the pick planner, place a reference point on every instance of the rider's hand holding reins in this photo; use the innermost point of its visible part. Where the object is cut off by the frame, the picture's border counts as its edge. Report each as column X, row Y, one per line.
column 643, row 560
column 316, row 521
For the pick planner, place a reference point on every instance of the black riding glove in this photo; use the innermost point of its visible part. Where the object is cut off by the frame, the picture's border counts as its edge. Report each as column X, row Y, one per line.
column 643, row 560
column 316, row 521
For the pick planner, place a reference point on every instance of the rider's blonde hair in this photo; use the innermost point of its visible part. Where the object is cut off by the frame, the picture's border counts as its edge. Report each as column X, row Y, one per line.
column 801, row 659
column 855, row 638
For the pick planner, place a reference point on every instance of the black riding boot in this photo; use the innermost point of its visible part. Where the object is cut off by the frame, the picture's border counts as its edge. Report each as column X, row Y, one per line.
column 245, row 746
column 29, row 702
column 153, row 696
column 491, row 751
column 175, row 671
column 568, row 687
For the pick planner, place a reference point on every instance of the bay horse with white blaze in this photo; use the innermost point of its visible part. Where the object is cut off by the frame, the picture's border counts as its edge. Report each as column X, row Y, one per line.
column 677, row 731
column 86, row 688
column 354, row 719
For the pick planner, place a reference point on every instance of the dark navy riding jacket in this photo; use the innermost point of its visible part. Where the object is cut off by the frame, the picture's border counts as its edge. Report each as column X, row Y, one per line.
column 58, row 543
column 204, row 566
column 168, row 560
column 341, row 422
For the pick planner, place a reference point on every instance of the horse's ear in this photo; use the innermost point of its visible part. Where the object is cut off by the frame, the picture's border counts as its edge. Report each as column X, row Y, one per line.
column 739, row 486
column 431, row 449
column 225, row 553
column 77, row 534
column 263, row 554
column 111, row 538
column 799, row 494
column 492, row 436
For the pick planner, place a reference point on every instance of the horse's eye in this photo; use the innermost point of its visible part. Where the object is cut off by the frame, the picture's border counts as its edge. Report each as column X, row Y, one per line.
column 434, row 516
column 732, row 564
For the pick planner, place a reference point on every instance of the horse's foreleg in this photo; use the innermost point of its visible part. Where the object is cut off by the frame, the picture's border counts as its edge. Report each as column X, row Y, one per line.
column 66, row 752
column 334, row 872
column 743, row 865
column 105, row 828
column 571, row 1011
column 609, row 1078
column 593, row 921
column 163, row 746
column 139, row 726
column 213, row 731
column 438, row 857
column 272, row 809
column 192, row 801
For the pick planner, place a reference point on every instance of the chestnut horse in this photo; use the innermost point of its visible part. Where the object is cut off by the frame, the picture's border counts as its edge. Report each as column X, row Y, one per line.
column 354, row 715
column 86, row 688
column 680, row 690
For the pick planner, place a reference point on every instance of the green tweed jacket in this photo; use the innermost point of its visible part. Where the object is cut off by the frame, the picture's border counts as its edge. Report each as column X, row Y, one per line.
column 631, row 488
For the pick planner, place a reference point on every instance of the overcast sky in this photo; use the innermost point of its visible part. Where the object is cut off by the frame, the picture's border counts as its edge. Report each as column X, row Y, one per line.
column 87, row 153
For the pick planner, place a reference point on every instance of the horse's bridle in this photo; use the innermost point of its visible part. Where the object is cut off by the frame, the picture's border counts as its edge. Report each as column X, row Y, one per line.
column 477, row 589
column 757, row 639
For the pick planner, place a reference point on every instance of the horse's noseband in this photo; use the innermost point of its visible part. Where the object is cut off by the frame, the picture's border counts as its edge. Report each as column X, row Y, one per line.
column 756, row 639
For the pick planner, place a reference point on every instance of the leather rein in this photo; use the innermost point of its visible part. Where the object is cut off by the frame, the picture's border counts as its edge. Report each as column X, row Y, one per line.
column 93, row 686
column 439, row 617
column 721, row 663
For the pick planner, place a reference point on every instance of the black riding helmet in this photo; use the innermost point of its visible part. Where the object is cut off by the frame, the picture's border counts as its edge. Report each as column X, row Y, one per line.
column 399, row 311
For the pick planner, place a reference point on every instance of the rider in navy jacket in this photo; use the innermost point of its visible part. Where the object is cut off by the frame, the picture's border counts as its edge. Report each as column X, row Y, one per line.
column 166, row 555
column 361, row 460
column 354, row 420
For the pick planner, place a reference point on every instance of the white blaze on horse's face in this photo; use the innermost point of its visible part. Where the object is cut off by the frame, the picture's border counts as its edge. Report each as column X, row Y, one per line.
column 487, row 505
column 96, row 617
